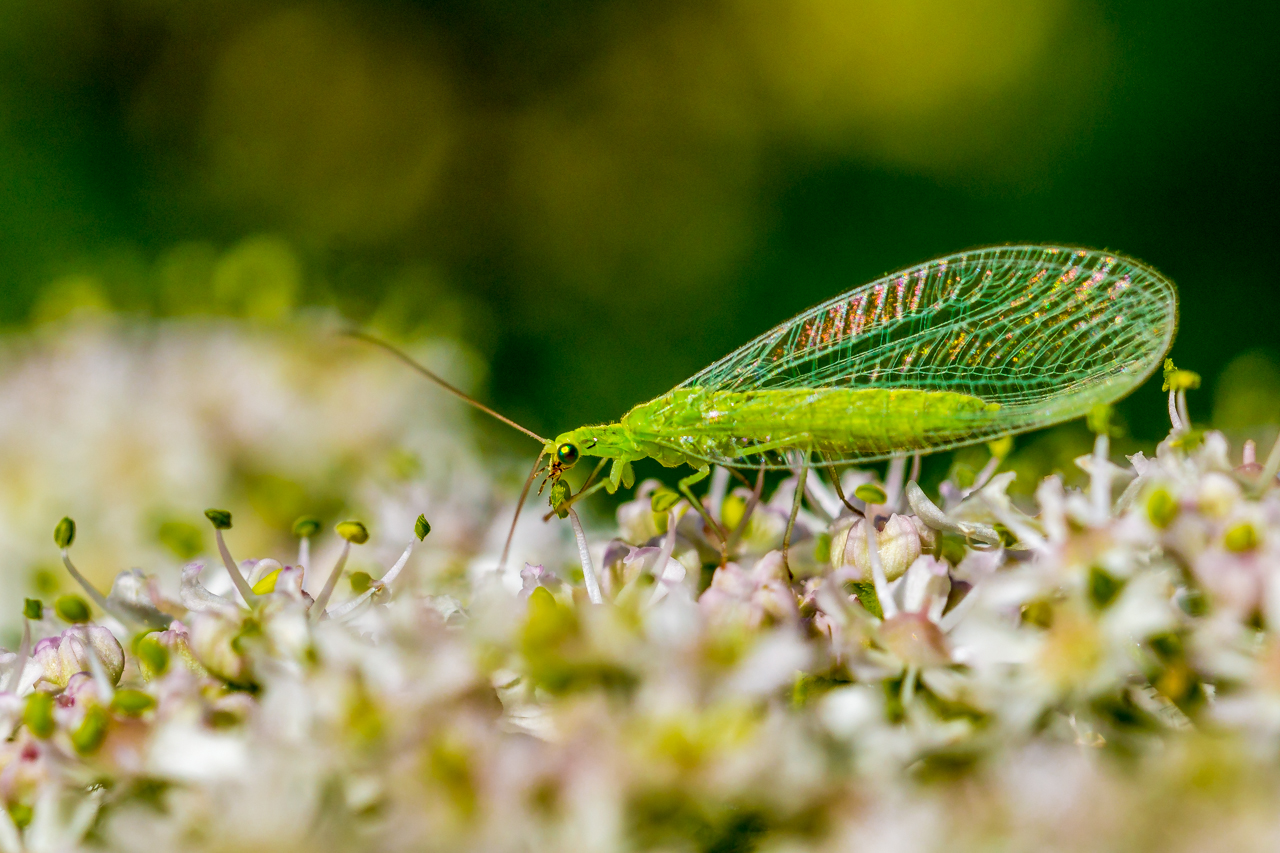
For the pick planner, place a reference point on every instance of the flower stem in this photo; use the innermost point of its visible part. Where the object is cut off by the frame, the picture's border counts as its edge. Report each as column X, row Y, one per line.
column 588, row 572
column 237, row 579
column 664, row 558
column 304, row 555
column 1174, row 420
column 92, row 591
column 887, row 605
column 317, row 608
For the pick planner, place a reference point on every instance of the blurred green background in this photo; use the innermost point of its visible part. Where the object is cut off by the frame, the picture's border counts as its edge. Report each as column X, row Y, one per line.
column 601, row 198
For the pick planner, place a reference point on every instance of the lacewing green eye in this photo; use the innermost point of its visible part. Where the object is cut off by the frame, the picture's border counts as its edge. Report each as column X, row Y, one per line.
column 962, row 349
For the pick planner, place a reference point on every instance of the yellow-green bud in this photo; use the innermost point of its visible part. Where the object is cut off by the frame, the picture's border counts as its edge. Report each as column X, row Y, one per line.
column 1001, row 447
column 72, row 608
column 352, row 531
column 306, row 526
column 92, row 731
column 360, row 581
column 132, row 703
column 1243, row 537
column 421, row 527
column 1161, row 508
column 65, row 533
column 33, row 608
column 38, row 715
column 220, row 518
column 153, row 655
column 664, row 499
column 871, row 493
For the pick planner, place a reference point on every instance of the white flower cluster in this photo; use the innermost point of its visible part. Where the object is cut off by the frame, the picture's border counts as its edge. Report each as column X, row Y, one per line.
column 134, row 428
column 1097, row 671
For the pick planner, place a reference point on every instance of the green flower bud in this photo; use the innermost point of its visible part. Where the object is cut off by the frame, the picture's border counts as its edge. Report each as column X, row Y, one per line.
column 664, row 499
column 352, row 531
column 153, row 655
column 132, row 703
column 65, row 533
column 360, row 581
column 72, row 608
column 871, row 493
column 38, row 715
column 1161, row 508
column 306, row 526
column 421, row 527
column 33, row 608
column 220, row 518
column 1243, row 537
column 92, row 731
column 1001, row 447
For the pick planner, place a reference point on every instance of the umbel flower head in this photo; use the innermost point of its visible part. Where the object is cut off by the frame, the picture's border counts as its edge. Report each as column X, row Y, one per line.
column 941, row 669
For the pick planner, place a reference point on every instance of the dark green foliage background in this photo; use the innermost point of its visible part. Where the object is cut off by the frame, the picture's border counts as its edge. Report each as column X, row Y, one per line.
column 421, row 163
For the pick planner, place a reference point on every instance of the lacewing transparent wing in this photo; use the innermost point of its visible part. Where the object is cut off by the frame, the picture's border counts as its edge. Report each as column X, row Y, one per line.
column 961, row 349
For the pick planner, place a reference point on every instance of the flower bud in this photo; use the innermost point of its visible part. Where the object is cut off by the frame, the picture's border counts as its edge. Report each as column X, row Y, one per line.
column 663, row 499
column 352, row 531
column 132, row 703
column 899, row 546
column 1241, row 538
column 68, row 653
column 306, row 526
column 220, row 518
column 870, row 493
column 38, row 715
column 153, row 656
column 92, row 730
column 65, row 533
column 72, row 608
column 1162, row 507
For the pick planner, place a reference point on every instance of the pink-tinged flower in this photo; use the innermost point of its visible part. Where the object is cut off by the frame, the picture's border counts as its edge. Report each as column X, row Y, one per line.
column 751, row 597
column 899, row 544
column 532, row 577
column 68, row 653
column 214, row 643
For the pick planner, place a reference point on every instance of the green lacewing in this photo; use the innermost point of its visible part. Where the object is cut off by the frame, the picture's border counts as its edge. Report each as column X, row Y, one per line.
column 959, row 350
column 962, row 349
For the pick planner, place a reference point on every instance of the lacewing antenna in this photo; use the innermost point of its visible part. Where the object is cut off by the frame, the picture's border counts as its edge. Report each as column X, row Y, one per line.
column 466, row 398
column 524, row 493
column 409, row 360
